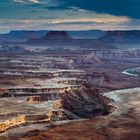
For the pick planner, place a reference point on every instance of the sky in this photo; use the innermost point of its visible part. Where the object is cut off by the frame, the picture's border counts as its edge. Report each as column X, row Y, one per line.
column 69, row 15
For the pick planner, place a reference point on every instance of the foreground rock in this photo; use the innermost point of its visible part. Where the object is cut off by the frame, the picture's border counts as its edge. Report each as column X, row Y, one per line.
column 123, row 124
column 73, row 104
column 85, row 103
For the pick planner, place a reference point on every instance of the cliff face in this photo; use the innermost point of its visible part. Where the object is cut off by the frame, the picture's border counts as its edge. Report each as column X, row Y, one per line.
column 33, row 99
column 54, row 38
column 21, row 118
column 57, row 35
column 85, row 103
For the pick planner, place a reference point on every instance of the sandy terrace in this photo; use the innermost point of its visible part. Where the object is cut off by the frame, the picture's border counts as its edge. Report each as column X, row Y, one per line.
column 21, row 107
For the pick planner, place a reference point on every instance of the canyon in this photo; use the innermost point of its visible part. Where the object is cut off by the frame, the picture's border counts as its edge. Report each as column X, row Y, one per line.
column 122, row 123
column 50, row 90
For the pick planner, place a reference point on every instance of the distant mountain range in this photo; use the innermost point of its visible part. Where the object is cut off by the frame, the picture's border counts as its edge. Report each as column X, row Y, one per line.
column 124, row 37
column 63, row 39
column 88, row 39
column 53, row 38
column 24, row 35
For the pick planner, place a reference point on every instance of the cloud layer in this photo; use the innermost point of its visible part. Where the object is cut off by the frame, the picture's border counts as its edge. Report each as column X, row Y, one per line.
column 130, row 8
column 78, row 14
column 23, row 1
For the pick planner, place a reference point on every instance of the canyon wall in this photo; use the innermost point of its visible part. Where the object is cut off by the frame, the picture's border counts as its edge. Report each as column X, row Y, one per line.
column 86, row 103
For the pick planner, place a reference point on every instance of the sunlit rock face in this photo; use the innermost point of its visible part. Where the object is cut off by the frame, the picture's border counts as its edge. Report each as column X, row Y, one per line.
column 33, row 99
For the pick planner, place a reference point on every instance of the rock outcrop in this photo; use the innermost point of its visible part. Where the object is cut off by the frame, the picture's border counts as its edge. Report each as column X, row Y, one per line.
column 122, row 124
column 54, row 38
column 32, row 99
column 57, row 35
column 21, row 120
column 85, row 103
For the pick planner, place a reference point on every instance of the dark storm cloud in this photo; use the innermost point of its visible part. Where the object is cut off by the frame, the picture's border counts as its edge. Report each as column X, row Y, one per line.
column 130, row 8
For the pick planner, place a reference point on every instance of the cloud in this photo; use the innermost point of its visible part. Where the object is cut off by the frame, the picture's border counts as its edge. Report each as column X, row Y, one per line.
column 23, row 1
column 130, row 8
column 91, row 20
column 67, row 24
column 73, row 14
column 111, row 19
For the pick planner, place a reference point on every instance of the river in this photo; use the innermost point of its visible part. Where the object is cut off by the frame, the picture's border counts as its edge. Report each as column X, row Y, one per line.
column 131, row 71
